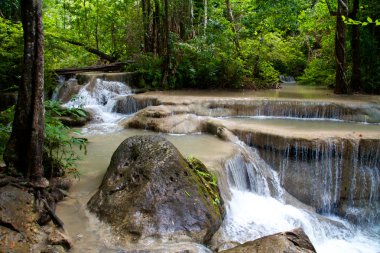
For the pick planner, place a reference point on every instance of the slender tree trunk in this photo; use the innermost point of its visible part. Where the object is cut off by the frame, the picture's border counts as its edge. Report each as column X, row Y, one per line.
column 97, row 26
column 230, row 17
column 166, row 65
column 24, row 150
column 191, row 6
column 355, row 47
column 64, row 14
column 205, row 18
column 230, row 14
column 157, row 36
column 340, row 48
column 145, row 5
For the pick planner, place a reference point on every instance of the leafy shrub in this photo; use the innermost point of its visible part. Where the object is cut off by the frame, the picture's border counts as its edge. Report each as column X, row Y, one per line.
column 60, row 147
column 11, row 53
column 149, row 68
column 318, row 72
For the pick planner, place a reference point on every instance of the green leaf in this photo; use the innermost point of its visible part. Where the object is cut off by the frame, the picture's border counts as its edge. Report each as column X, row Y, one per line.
column 364, row 23
column 343, row 18
column 369, row 20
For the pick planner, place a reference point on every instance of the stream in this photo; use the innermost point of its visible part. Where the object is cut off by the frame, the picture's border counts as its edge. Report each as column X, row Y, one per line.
column 253, row 188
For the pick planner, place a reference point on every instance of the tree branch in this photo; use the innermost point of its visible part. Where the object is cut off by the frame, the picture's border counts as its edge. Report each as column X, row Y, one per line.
column 99, row 53
column 344, row 5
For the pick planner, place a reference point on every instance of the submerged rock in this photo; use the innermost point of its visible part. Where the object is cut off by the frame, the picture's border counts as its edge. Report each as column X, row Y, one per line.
column 295, row 241
column 150, row 192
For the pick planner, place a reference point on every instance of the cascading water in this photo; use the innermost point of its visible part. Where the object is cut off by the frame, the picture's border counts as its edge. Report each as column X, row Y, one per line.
column 256, row 210
column 100, row 97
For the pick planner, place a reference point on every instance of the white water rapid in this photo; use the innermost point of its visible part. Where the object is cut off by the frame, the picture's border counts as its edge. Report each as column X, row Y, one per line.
column 99, row 97
column 259, row 207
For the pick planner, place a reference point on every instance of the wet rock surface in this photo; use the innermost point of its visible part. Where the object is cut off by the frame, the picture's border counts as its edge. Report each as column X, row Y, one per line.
column 295, row 241
column 19, row 229
column 18, row 226
column 150, row 192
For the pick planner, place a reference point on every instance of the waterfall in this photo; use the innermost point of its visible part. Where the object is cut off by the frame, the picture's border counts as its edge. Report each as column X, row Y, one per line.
column 335, row 176
column 247, row 171
column 287, row 79
column 99, row 97
column 257, row 206
column 295, row 109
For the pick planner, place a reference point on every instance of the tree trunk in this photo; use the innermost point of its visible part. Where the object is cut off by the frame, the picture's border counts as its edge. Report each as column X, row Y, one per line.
column 355, row 47
column 145, row 5
column 156, row 29
column 166, row 65
column 97, row 26
column 340, row 48
column 24, row 150
column 230, row 17
column 205, row 18
column 191, row 6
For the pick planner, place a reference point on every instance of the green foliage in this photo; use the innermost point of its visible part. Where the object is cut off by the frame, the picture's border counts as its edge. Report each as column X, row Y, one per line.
column 208, row 180
column 370, row 61
column 263, row 40
column 198, row 66
column 11, row 53
column 6, row 118
column 368, row 21
column 60, row 146
column 317, row 30
column 148, row 66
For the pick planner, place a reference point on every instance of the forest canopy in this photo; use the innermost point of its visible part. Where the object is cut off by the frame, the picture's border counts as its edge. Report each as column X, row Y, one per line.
column 203, row 43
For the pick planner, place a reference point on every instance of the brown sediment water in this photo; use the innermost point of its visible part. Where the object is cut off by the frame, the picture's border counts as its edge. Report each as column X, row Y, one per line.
column 88, row 234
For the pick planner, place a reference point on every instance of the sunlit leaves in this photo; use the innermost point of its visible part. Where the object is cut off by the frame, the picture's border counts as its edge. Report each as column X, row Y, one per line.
column 369, row 20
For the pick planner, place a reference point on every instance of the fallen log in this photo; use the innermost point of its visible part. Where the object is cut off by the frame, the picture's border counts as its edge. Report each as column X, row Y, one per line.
column 117, row 66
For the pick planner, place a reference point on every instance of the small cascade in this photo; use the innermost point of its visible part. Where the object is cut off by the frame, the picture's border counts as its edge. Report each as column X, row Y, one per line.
column 61, row 82
column 287, row 79
column 129, row 104
column 294, row 109
column 247, row 171
column 99, row 97
column 335, row 176
column 255, row 210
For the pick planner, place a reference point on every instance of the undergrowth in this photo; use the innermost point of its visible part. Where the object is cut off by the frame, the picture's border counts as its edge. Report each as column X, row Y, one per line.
column 60, row 146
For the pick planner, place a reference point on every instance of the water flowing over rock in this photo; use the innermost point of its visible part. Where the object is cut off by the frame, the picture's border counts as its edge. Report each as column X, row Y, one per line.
column 98, row 94
column 150, row 193
column 262, row 107
column 295, row 241
column 287, row 79
column 333, row 175
column 300, row 160
column 334, row 171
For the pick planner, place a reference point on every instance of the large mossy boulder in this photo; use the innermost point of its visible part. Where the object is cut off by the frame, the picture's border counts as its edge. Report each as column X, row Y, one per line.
column 151, row 192
column 295, row 241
